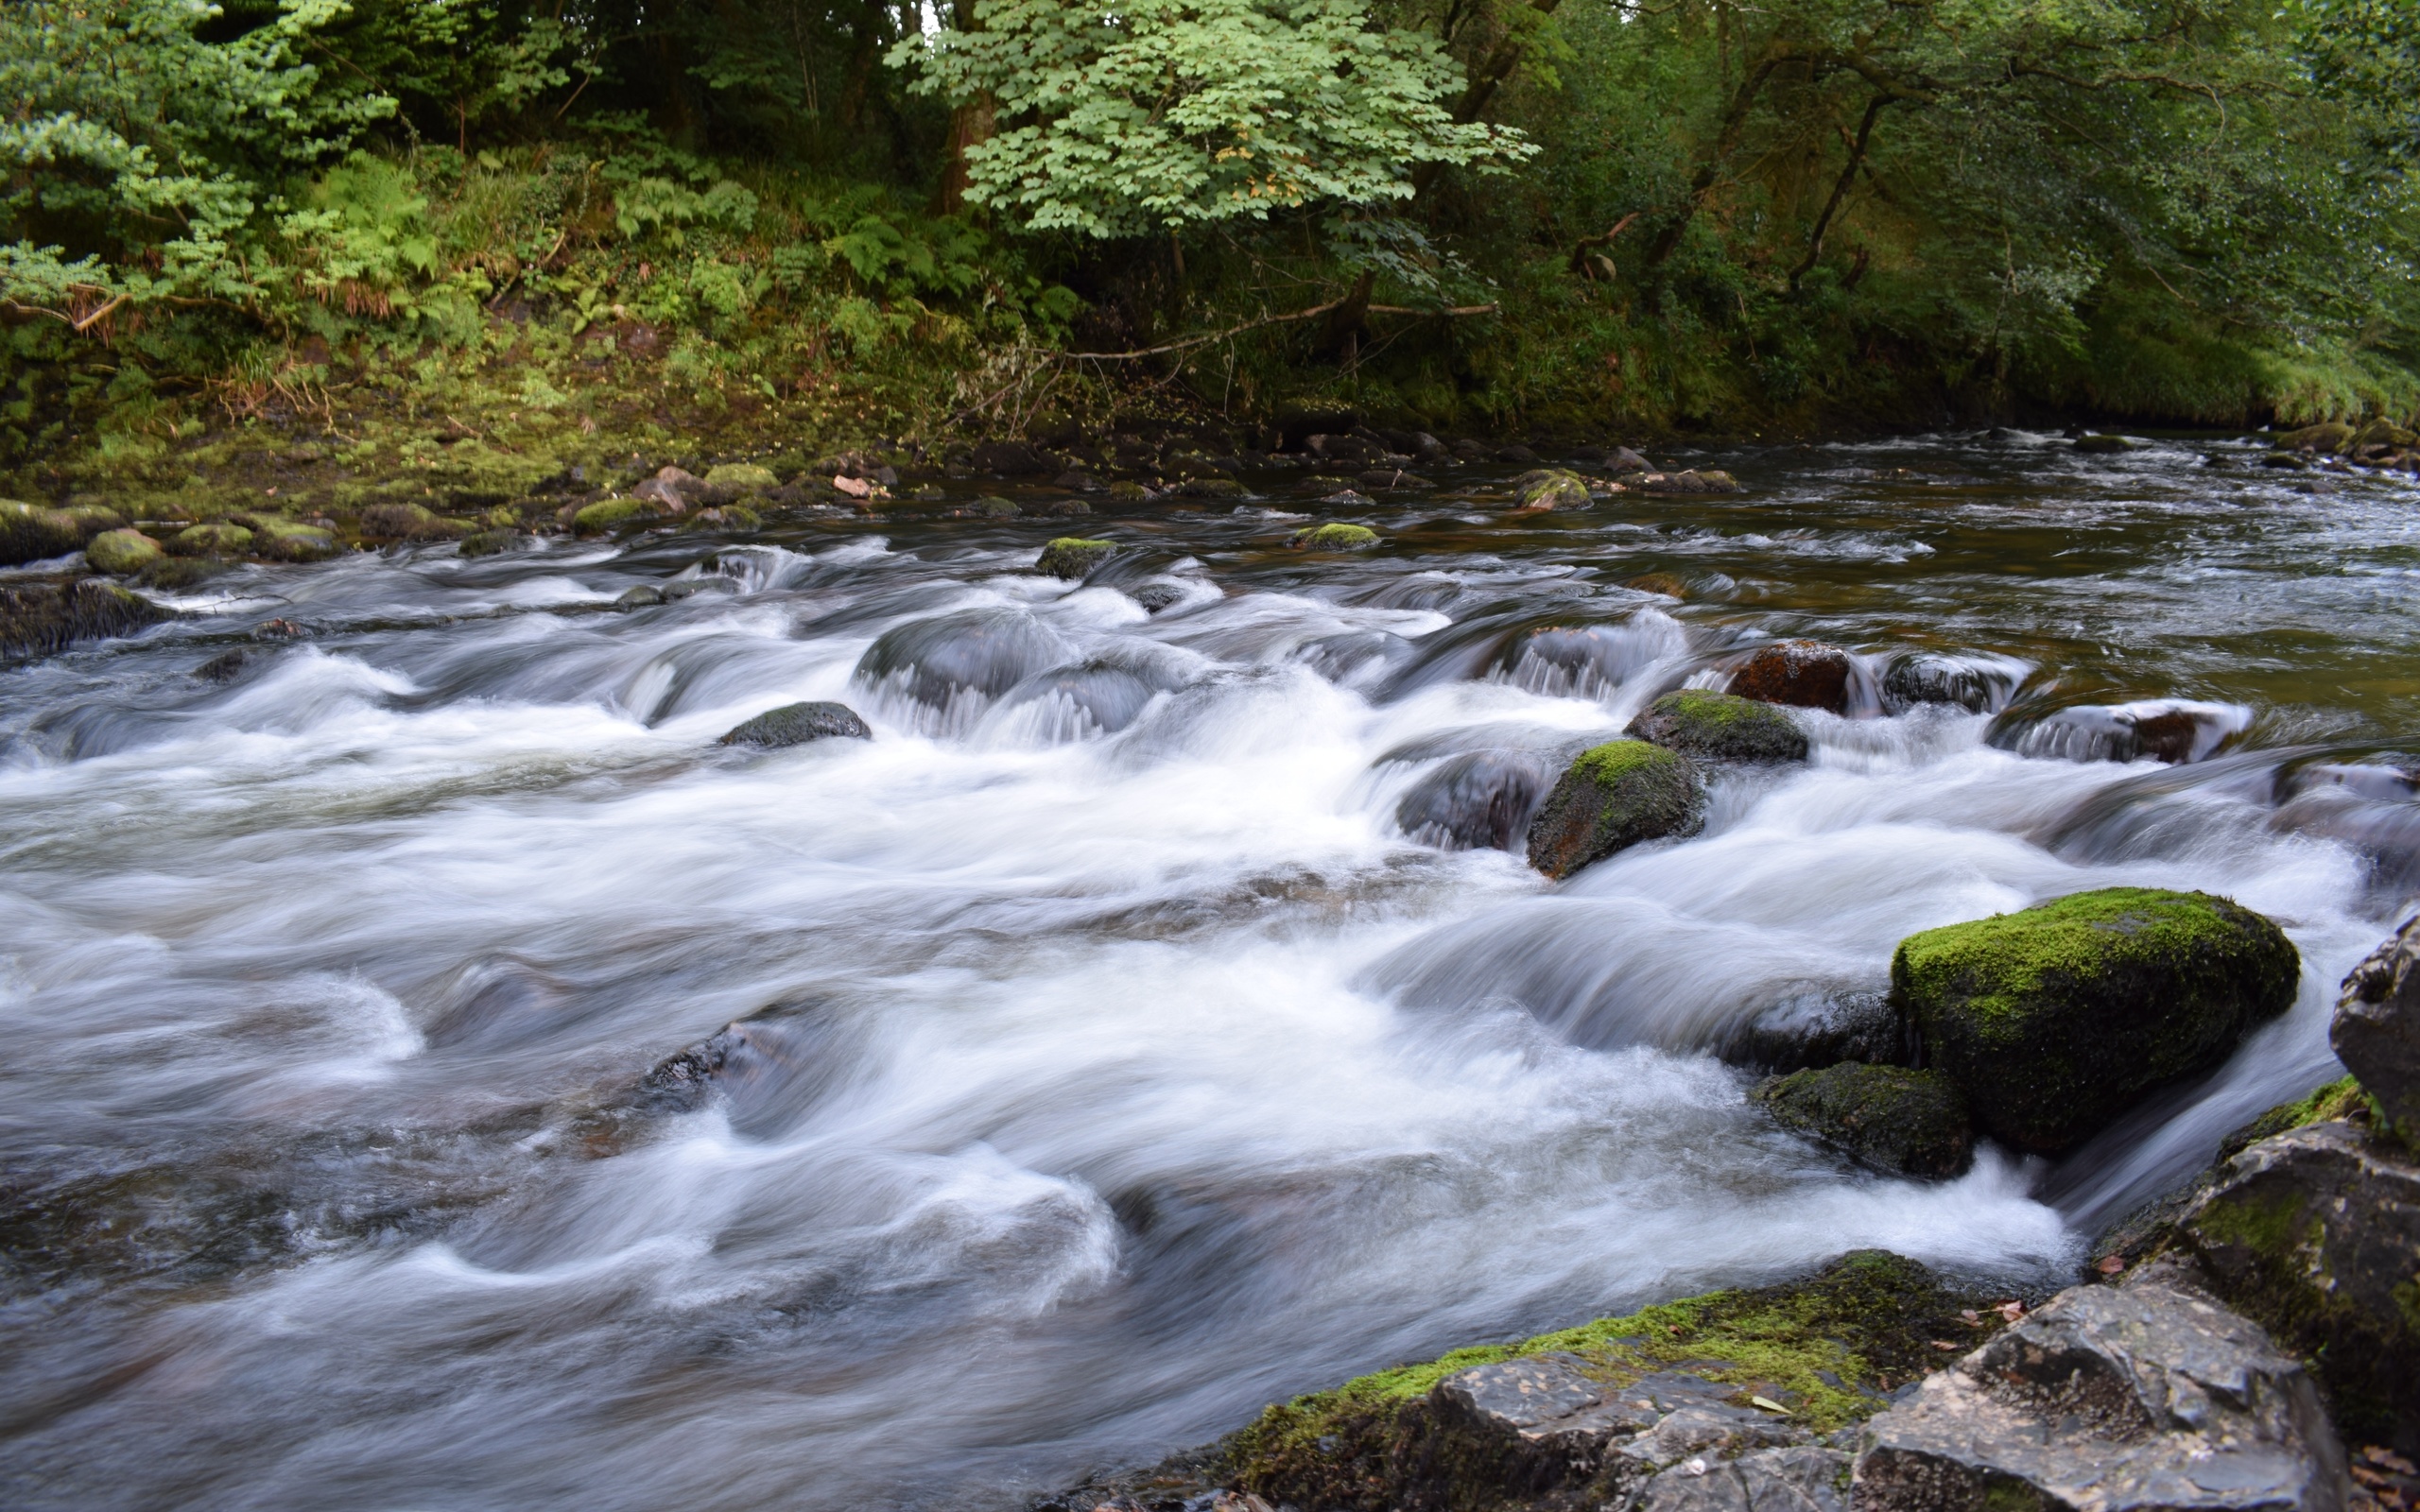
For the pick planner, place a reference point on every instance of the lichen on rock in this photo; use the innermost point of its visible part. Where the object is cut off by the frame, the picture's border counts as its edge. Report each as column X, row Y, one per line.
column 1720, row 727
column 1611, row 797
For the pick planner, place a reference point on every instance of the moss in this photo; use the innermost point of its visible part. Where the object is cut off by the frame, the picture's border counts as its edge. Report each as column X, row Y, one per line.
column 2341, row 1098
column 486, row 544
column 29, row 533
column 286, row 541
column 1073, row 557
column 1830, row 1346
column 1551, row 489
column 219, row 539
column 1897, row 1121
column 744, row 477
column 1720, row 727
column 612, row 514
column 2055, row 1017
column 1335, row 536
column 1611, row 797
column 121, row 552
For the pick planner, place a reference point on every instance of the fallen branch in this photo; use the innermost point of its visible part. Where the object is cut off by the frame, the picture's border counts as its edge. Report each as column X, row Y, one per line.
column 1311, row 314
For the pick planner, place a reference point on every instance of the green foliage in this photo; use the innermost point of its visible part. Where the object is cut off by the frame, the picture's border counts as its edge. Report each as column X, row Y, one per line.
column 1166, row 114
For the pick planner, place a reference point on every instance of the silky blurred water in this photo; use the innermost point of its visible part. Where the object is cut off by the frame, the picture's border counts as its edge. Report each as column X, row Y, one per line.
column 1124, row 1045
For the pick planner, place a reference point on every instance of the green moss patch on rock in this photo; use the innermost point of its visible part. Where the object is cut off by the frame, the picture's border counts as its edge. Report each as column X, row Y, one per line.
column 607, row 515
column 220, row 538
column 1335, row 534
column 1551, row 488
column 1720, row 727
column 742, row 477
column 1612, row 797
column 279, row 539
column 1073, row 557
column 1891, row 1119
column 2056, row 1018
column 1826, row 1349
column 121, row 552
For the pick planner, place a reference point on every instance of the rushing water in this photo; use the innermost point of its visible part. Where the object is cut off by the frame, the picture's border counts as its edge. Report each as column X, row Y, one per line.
column 1126, row 1050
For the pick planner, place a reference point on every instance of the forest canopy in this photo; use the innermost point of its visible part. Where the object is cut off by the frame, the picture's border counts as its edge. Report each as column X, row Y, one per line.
column 1689, row 212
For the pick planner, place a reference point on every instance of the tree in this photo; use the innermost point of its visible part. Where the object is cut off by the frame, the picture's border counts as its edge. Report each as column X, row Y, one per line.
column 1167, row 113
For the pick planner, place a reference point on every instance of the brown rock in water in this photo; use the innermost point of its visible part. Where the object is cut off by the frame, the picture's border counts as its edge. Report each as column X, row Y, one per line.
column 1803, row 674
column 1664, row 583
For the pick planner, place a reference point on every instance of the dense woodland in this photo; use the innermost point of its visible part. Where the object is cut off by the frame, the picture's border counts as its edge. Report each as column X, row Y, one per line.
column 1580, row 215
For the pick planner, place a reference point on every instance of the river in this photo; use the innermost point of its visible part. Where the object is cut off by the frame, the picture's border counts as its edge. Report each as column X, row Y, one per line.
column 1115, row 1060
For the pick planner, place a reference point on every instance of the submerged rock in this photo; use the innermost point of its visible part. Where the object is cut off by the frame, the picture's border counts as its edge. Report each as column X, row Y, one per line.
column 1720, row 727
column 2174, row 731
column 2104, row 445
column 798, row 723
column 1803, row 674
column 2140, row 1399
column 44, row 618
column 1612, row 797
column 1689, row 480
column 1073, row 557
column 1893, row 1120
column 2056, row 1018
column 2376, row 1028
column 1480, row 800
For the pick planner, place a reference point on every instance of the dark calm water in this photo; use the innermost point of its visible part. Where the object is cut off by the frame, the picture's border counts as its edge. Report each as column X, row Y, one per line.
column 1127, row 1053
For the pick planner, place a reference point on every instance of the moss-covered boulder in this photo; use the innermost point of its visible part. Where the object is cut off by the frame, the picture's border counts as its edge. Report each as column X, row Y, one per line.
column 1720, row 727
column 222, row 538
column 1073, row 557
column 1551, row 488
column 1335, row 536
column 92, row 519
column 2327, row 436
column 121, row 552
column 411, row 521
column 742, row 477
column 2102, row 445
column 1570, row 1419
column 798, row 723
column 279, row 539
column 42, row 618
column 487, row 542
column 1891, row 1119
column 31, row 533
column 1612, row 797
column 608, row 515
column 2381, row 433
column 2056, row 1018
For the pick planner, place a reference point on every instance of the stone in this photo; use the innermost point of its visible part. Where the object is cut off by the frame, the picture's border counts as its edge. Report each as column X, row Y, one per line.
column 1479, row 800
column 798, row 723
column 1886, row 1118
column 488, row 542
column 1615, row 795
column 2102, row 445
column 991, row 507
column 2174, row 731
column 742, row 477
column 607, row 515
column 30, row 533
column 1334, row 536
column 2055, row 1019
column 2327, row 436
column 1720, row 727
column 1550, row 489
column 1802, row 1478
column 41, row 619
column 644, row 596
column 1664, row 583
column 2315, row 1233
column 279, row 540
column 1802, row 674
column 121, row 552
column 2376, row 1028
column 1012, row 459
column 2146, row 1398
column 1817, row 1028
column 411, row 521
column 1689, row 480
column 221, row 538
column 1073, row 557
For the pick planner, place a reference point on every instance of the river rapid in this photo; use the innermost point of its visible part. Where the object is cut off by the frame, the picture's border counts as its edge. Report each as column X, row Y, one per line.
column 1133, row 1037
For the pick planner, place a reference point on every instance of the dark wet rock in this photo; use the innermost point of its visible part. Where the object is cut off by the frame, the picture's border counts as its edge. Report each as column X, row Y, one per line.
column 951, row 663
column 413, row 521
column 489, row 543
column 1353, row 451
column 1893, row 1120
column 1073, row 557
column 1335, row 536
column 1819, row 1028
column 2167, row 729
column 121, row 552
column 1155, row 597
column 1980, row 684
column 1061, row 509
column 1298, row 422
column 1803, row 674
column 1516, row 454
column 41, row 619
column 1210, row 488
column 1689, row 480
column 225, row 665
column 1480, row 800
column 31, row 533
column 1013, row 459
column 1348, row 499
column 1390, row 477
column 2055, row 1019
column 2315, row 1233
column 2133, row 1398
column 1097, row 696
column 1625, row 461
column 1798, row 1479
column 1720, row 727
column 798, row 723
column 2376, row 1028
column 1550, row 489
column 1615, row 795
column 173, row 572
column 2102, row 445
column 2286, row 461
column 645, row 595
column 1076, row 481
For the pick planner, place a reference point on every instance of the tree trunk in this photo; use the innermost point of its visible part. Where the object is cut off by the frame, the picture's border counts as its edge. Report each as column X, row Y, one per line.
column 970, row 123
column 1839, row 190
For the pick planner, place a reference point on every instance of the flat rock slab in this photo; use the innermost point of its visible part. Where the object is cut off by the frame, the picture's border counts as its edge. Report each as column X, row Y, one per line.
column 2110, row 1399
column 1798, row 1479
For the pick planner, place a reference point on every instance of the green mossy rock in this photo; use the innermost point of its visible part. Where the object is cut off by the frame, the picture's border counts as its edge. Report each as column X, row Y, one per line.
column 1551, row 488
column 92, row 519
column 2381, row 433
column 1891, row 1119
column 44, row 618
column 1612, row 797
column 1334, row 536
column 121, row 552
column 991, row 507
column 30, row 533
column 2327, row 436
column 1828, row 1347
column 2055, row 1019
column 220, row 539
column 487, row 542
column 2103, row 444
column 742, row 477
column 410, row 522
column 1720, row 727
column 1073, row 557
column 277, row 539
column 608, row 515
